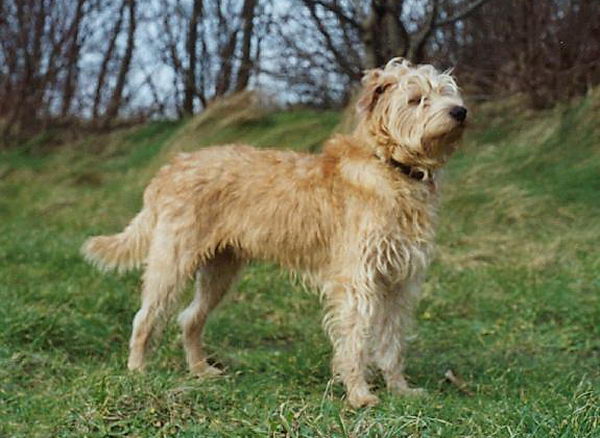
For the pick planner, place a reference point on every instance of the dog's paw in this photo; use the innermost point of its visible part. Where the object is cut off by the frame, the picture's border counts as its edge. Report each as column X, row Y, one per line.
column 135, row 366
column 362, row 400
column 206, row 371
column 398, row 385
column 416, row 392
column 405, row 391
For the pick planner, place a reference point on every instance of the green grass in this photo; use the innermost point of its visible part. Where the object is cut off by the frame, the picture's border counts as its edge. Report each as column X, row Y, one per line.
column 511, row 304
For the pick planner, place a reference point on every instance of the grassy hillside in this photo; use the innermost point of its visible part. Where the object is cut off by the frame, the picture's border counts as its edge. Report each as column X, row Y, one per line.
column 512, row 303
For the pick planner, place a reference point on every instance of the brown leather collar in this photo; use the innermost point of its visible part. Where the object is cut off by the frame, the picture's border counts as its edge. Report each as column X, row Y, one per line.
column 416, row 173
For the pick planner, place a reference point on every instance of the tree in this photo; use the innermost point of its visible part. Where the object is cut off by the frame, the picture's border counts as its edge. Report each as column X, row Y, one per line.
column 72, row 58
column 107, row 58
column 191, row 43
column 548, row 50
column 246, row 62
column 386, row 28
column 40, row 48
column 217, row 58
column 325, row 45
column 117, row 96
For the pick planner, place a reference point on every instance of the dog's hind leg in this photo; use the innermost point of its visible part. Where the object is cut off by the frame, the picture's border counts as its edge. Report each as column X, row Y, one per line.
column 169, row 264
column 213, row 280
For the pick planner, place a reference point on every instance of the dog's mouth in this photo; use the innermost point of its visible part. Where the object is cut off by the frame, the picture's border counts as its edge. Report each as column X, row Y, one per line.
column 442, row 145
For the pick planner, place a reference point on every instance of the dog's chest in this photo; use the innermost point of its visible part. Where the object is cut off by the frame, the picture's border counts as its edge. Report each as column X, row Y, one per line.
column 403, row 247
column 396, row 258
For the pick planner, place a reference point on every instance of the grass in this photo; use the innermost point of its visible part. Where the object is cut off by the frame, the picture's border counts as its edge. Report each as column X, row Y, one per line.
column 511, row 304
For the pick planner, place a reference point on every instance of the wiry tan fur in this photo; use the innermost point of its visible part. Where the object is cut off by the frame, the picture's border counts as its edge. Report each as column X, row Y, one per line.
column 356, row 227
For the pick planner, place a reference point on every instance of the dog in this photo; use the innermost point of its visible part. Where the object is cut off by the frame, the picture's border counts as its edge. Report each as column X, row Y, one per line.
column 355, row 221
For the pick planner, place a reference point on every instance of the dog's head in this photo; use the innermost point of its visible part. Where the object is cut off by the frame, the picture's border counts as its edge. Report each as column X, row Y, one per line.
column 411, row 114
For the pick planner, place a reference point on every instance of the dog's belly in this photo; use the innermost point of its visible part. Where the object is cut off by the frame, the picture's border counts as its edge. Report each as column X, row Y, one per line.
column 297, row 247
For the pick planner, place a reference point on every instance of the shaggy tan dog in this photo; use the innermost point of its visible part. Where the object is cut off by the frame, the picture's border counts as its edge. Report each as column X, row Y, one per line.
column 356, row 221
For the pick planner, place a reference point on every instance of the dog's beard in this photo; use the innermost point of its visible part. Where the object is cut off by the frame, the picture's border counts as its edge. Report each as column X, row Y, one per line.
column 442, row 145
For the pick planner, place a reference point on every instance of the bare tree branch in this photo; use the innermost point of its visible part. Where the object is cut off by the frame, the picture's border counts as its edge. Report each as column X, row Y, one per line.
column 339, row 56
column 339, row 13
column 462, row 14
column 418, row 41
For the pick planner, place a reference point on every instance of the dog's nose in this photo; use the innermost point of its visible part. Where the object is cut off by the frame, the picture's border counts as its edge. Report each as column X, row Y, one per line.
column 458, row 113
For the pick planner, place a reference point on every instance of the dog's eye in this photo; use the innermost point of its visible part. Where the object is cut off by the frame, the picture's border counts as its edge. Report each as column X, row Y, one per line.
column 447, row 91
column 415, row 100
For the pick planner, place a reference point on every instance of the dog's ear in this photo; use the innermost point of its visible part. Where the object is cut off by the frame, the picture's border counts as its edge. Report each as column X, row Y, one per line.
column 375, row 83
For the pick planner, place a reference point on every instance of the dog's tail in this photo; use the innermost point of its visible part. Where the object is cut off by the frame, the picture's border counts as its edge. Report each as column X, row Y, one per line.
column 123, row 251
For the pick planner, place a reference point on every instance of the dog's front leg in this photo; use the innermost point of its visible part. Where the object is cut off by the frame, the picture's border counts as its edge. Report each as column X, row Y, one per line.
column 393, row 322
column 348, row 322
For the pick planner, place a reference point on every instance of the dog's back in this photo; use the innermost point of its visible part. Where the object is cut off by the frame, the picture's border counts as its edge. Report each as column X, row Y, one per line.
column 264, row 204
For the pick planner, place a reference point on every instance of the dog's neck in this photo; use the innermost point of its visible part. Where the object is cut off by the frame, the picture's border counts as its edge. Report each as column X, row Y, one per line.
column 423, row 173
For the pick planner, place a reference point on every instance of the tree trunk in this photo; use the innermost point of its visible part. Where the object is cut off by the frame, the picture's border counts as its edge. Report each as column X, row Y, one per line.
column 117, row 96
column 108, row 56
column 383, row 33
column 248, row 12
column 72, row 61
column 224, row 79
column 190, row 73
